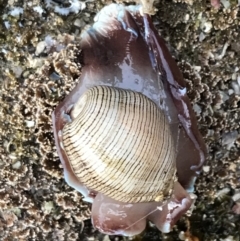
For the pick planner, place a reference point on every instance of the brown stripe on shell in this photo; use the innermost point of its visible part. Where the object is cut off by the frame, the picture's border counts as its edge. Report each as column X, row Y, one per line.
column 119, row 143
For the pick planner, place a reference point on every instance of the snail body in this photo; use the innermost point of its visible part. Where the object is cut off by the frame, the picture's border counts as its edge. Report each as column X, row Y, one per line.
column 128, row 126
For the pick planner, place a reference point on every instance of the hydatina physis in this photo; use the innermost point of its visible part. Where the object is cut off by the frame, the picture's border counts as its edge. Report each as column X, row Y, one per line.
column 127, row 135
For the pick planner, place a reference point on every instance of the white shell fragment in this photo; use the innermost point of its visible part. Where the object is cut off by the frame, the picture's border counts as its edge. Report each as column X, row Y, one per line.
column 120, row 144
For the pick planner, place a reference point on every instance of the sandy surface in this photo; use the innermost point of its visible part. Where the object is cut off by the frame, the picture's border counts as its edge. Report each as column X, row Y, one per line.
column 35, row 202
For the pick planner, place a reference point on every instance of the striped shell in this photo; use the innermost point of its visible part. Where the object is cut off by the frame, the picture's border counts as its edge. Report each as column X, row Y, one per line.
column 119, row 143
